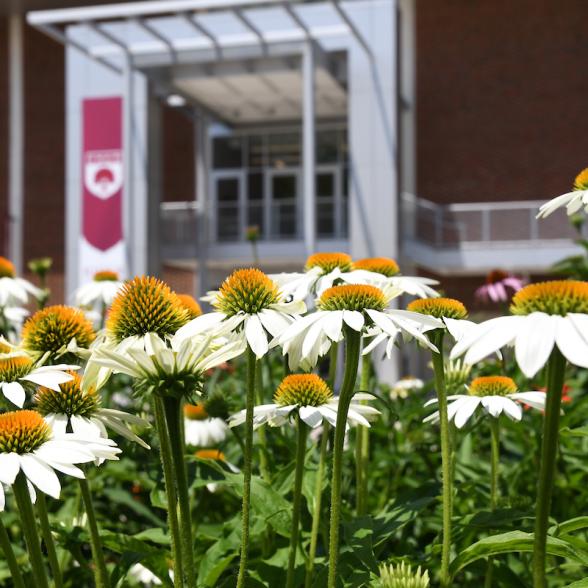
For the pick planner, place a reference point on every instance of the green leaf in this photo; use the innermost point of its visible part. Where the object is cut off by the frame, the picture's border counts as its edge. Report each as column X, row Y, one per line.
column 577, row 432
column 583, row 583
column 124, row 498
column 514, row 541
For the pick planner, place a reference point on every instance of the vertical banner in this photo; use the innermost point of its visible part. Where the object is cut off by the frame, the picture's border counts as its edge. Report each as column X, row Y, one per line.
column 102, row 245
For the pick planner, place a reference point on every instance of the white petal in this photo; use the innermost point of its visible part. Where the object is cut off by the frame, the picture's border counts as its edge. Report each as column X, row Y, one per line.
column 489, row 337
column 534, row 399
column 2, row 498
column 311, row 416
column 256, row 336
column 571, row 341
column 333, row 324
column 466, row 410
column 493, row 404
column 41, row 475
column 512, row 409
column 354, row 319
column 14, row 392
column 9, row 467
column 534, row 342
column 275, row 322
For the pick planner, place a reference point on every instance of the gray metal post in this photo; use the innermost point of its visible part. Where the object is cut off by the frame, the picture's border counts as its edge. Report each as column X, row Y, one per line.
column 16, row 140
column 308, row 148
column 202, row 197
column 130, row 212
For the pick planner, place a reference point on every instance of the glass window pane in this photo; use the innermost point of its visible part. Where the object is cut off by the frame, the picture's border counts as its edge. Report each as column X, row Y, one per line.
column 255, row 186
column 227, row 190
column 227, row 152
column 284, row 150
column 227, row 193
column 256, row 151
column 327, row 143
column 283, row 211
column 325, row 184
column 284, row 187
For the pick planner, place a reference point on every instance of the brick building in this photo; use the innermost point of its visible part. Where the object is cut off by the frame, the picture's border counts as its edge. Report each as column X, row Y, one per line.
column 490, row 99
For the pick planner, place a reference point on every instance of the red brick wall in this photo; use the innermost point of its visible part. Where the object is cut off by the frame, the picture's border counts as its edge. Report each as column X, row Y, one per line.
column 502, row 95
column 44, row 148
column 178, row 156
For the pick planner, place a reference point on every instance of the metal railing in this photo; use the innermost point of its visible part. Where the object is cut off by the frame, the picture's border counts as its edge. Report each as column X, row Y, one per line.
column 475, row 224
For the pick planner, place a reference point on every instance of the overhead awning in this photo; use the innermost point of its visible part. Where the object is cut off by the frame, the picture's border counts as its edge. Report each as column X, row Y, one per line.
column 241, row 59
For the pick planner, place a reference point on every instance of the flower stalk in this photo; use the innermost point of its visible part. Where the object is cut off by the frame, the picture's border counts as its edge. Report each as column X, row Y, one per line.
column 352, row 351
column 555, row 382
column 318, row 489
column 100, row 571
column 447, row 496
column 48, row 539
column 362, row 448
column 494, row 470
column 170, row 491
column 172, row 408
column 29, row 529
column 302, row 431
column 6, row 546
column 249, row 406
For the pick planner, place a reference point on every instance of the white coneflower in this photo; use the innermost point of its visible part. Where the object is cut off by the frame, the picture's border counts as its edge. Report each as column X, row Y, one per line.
column 310, row 396
column 495, row 394
column 101, row 290
column 544, row 316
column 58, row 331
column 357, row 307
column 573, row 201
column 19, row 374
column 250, row 308
column 80, row 412
column 403, row 387
column 200, row 429
column 29, row 445
column 14, row 291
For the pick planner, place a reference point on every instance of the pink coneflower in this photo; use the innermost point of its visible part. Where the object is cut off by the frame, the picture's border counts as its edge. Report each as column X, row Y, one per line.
column 496, row 287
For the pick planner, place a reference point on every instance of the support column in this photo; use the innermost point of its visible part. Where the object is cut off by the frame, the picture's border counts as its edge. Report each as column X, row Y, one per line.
column 201, row 162
column 131, row 215
column 308, row 149
column 15, row 139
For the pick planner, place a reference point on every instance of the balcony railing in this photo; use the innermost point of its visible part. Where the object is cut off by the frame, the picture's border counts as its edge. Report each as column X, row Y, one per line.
column 479, row 223
column 482, row 235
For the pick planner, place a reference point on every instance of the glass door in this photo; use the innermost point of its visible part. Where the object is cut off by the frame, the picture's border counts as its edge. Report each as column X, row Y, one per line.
column 228, row 191
column 283, row 210
column 328, row 202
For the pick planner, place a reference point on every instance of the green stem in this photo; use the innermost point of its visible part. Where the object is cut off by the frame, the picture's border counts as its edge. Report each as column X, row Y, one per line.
column 352, row 350
column 555, row 378
column 362, row 449
column 48, row 539
column 170, row 491
column 494, row 465
column 495, row 460
column 29, row 529
column 173, row 416
column 437, row 339
column 261, row 432
column 297, row 498
column 333, row 356
column 100, row 571
column 318, row 494
column 6, row 546
column 249, row 405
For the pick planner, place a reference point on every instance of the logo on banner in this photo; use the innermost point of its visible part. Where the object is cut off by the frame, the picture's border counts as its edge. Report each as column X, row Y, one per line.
column 103, row 172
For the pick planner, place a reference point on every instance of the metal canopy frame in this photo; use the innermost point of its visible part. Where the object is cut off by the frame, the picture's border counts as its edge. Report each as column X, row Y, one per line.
column 52, row 22
column 145, row 15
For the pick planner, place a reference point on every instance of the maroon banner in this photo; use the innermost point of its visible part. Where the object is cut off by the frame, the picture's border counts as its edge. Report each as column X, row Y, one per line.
column 102, row 172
